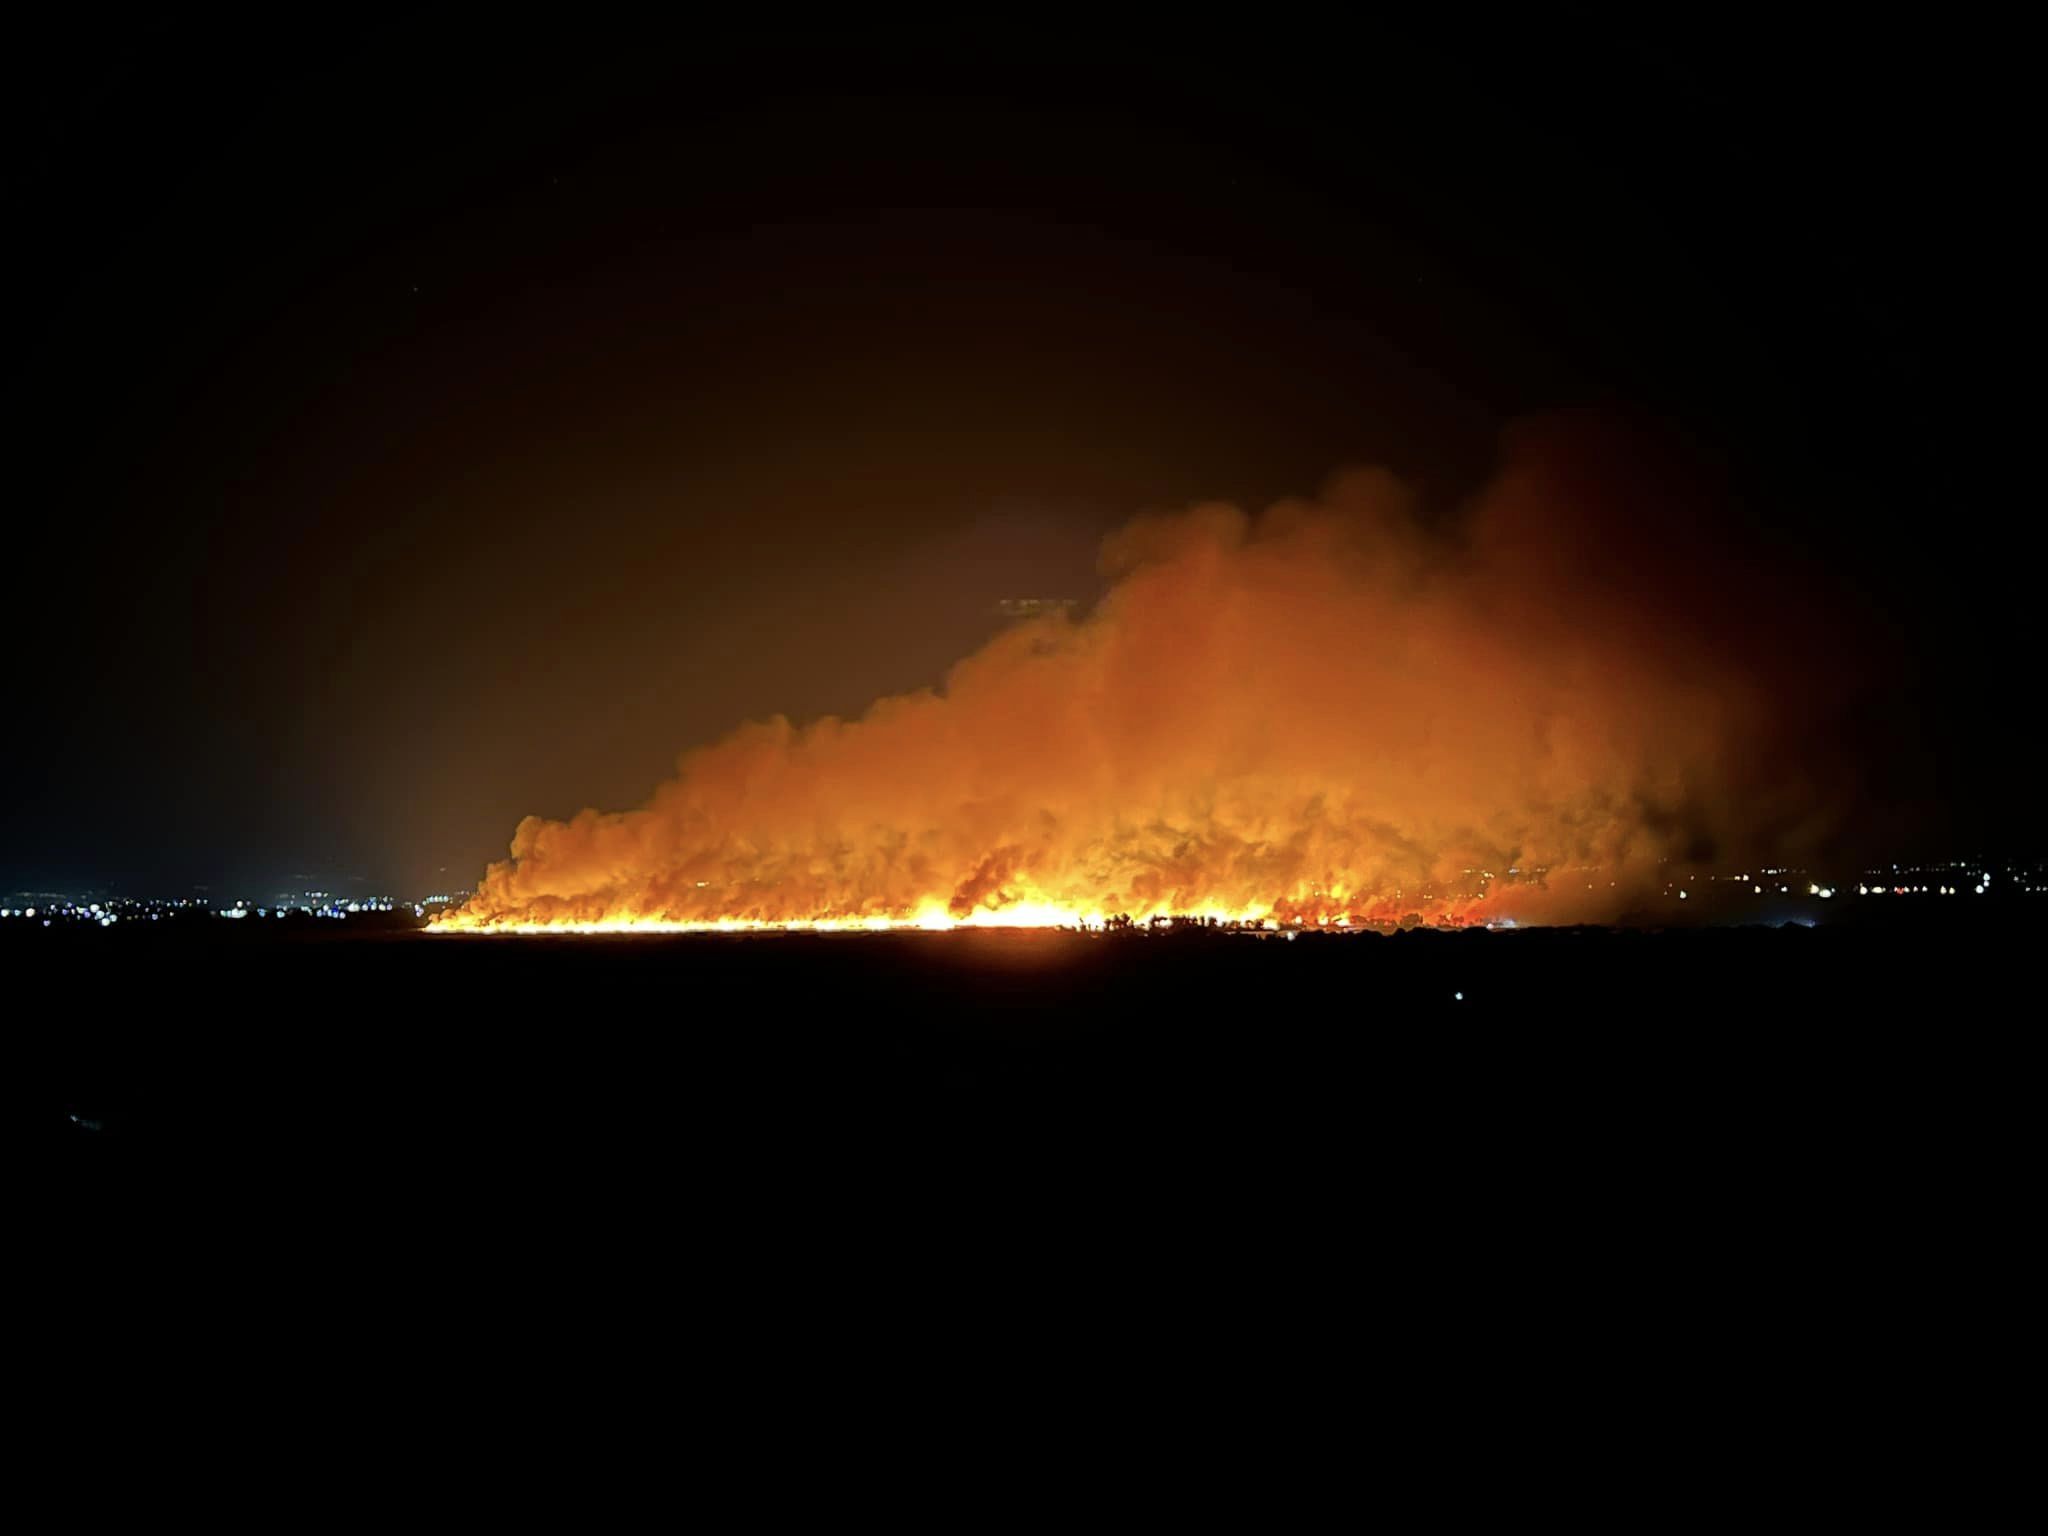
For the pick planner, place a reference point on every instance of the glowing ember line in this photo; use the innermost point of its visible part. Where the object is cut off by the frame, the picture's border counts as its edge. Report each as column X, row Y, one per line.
column 931, row 918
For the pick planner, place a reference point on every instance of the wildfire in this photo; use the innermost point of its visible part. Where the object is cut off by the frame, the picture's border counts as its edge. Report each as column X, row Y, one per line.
column 932, row 918
column 1337, row 714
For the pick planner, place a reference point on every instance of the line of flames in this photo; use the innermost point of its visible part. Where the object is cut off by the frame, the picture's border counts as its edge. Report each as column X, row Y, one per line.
column 936, row 918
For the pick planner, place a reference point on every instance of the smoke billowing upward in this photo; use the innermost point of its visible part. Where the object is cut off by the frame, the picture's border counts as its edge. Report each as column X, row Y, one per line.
column 1335, row 708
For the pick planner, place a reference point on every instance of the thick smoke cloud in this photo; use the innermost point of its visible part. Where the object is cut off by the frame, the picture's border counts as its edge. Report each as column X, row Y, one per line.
column 1336, row 707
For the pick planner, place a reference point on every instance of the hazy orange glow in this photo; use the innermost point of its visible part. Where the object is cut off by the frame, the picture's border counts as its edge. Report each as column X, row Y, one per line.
column 1334, row 713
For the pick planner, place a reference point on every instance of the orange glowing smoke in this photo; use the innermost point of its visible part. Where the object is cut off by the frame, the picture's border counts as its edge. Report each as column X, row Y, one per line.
column 1336, row 712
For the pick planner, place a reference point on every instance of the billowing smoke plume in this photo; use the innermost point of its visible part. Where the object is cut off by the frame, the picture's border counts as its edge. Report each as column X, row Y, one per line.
column 1338, row 708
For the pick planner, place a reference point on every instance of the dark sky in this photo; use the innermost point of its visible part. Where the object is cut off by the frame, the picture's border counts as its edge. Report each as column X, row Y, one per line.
column 417, row 427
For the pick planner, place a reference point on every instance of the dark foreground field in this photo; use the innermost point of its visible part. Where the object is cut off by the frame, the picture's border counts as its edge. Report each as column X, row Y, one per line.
column 1779, row 1182
column 1803, row 1157
column 1812, row 1073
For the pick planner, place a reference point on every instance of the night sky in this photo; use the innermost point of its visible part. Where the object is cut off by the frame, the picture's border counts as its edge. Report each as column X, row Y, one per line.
column 419, row 427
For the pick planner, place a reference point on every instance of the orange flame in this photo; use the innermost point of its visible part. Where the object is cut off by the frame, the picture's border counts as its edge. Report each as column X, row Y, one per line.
column 1335, row 714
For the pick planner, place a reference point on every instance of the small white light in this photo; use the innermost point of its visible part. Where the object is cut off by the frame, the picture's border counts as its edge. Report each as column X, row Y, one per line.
column 1458, row 997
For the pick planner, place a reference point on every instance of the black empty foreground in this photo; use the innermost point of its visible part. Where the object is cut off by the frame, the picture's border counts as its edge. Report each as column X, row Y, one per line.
column 928, row 1068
